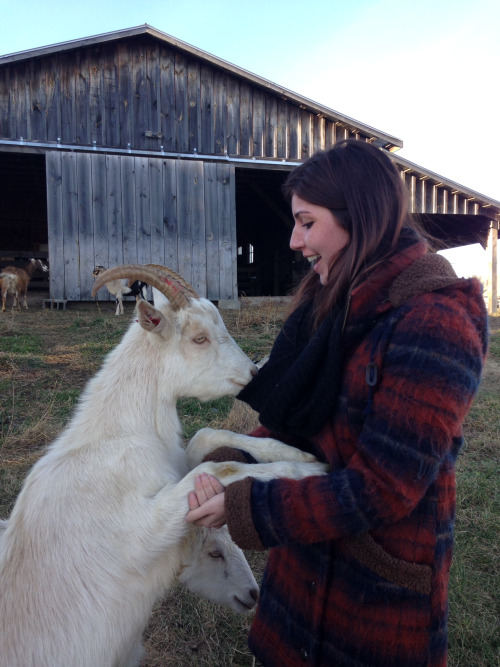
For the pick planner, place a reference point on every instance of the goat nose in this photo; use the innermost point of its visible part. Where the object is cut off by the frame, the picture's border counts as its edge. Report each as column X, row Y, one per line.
column 254, row 371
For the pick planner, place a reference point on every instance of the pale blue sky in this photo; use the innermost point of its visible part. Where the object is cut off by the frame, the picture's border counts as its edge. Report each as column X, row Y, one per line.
column 425, row 72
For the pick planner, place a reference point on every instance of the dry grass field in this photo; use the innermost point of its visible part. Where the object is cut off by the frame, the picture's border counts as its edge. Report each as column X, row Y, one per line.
column 47, row 356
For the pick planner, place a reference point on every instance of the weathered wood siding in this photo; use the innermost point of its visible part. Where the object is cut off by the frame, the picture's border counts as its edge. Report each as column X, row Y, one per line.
column 115, row 209
column 143, row 94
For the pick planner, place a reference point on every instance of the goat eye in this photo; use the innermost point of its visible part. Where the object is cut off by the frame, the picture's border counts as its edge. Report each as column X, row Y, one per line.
column 200, row 339
column 215, row 554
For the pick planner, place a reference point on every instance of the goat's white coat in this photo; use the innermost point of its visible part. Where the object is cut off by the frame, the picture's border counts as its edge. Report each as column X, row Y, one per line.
column 98, row 532
column 118, row 288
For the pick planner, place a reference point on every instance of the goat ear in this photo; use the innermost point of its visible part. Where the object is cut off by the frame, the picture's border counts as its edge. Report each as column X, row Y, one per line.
column 150, row 318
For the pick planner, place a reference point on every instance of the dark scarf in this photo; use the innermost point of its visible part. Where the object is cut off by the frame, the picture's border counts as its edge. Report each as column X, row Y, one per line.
column 297, row 389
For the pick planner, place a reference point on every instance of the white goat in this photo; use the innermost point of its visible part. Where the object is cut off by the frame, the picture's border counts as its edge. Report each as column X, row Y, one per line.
column 121, row 287
column 15, row 281
column 8, row 284
column 98, row 532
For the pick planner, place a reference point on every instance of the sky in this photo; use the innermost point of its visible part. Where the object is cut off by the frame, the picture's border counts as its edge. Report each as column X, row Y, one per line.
column 425, row 72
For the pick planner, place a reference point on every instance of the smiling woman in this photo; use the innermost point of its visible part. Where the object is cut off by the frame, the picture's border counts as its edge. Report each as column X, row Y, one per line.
column 373, row 373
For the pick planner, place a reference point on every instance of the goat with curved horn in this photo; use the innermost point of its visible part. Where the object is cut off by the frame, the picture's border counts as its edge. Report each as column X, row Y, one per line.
column 165, row 280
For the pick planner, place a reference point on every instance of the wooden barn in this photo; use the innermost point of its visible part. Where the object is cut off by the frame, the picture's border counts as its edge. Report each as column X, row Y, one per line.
column 135, row 147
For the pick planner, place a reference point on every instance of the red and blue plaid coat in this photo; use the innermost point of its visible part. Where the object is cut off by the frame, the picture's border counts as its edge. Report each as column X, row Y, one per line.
column 359, row 562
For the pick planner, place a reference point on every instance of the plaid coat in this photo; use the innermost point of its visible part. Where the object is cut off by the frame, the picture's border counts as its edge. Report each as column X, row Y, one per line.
column 359, row 559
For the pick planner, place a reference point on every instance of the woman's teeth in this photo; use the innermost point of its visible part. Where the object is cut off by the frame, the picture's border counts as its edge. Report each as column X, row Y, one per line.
column 314, row 259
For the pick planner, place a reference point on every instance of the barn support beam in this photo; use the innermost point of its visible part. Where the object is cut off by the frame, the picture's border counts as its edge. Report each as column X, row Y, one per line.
column 492, row 284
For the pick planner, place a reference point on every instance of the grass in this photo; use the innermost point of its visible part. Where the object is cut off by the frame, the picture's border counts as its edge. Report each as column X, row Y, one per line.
column 47, row 356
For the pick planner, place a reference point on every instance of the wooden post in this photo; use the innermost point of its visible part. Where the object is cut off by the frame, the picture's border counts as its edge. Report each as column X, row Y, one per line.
column 492, row 290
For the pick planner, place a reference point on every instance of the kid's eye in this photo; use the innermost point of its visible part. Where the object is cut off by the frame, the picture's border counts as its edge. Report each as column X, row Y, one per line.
column 199, row 340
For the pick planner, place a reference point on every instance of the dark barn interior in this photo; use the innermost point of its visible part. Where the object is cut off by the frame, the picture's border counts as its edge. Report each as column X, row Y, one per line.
column 23, row 217
column 266, row 265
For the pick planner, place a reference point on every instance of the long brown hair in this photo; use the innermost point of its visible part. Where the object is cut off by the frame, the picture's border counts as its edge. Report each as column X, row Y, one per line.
column 361, row 186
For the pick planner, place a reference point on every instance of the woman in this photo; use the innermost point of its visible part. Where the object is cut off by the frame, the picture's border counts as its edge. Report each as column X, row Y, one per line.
column 374, row 372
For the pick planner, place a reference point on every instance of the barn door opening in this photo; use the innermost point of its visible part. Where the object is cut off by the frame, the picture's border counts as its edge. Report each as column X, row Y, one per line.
column 266, row 266
column 23, row 212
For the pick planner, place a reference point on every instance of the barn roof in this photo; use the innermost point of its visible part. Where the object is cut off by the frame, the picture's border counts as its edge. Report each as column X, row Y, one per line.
column 380, row 138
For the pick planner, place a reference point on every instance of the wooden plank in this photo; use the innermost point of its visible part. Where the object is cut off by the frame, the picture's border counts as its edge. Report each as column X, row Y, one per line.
column 181, row 112
column 21, row 105
column 184, row 219
column 167, row 99
column 53, row 113
column 140, row 94
column 153, row 139
column 99, row 211
column 170, row 223
column 212, row 231
column 271, row 123
column 69, row 253
column 155, row 166
column 125, row 95
column 55, row 225
column 38, row 101
column 197, row 206
column 246, row 142
column 6, row 129
column 82, row 93
column 207, row 146
column 143, row 213
column 295, row 133
column 128, row 210
column 318, row 136
column 194, row 105
column 96, row 95
column 68, row 117
column 85, row 223
column 306, row 134
column 114, row 209
column 258, row 122
column 282, row 131
column 233, row 116
column 109, row 102
column 220, row 121
column 227, row 231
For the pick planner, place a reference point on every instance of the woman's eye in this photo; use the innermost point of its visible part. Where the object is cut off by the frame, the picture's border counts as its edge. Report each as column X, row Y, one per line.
column 200, row 339
column 308, row 225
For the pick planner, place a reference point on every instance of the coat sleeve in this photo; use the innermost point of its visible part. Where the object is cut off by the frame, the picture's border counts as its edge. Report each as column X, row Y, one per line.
column 431, row 372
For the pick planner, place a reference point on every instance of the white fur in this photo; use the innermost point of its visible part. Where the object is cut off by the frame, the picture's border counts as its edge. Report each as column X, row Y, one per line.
column 98, row 532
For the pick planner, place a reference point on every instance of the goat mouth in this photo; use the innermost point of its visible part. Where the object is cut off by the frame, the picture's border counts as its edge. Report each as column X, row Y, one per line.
column 246, row 605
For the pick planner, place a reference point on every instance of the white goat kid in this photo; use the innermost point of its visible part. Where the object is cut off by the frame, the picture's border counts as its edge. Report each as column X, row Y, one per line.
column 98, row 532
column 120, row 288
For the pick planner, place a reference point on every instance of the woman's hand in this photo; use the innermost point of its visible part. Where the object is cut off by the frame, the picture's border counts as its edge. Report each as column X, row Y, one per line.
column 206, row 502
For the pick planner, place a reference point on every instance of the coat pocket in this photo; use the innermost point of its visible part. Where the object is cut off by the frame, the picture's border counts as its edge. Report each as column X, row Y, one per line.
column 413, row 576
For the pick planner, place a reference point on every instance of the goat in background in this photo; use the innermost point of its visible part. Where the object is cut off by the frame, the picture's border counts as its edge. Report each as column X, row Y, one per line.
column 121, row 287
column 15, row 281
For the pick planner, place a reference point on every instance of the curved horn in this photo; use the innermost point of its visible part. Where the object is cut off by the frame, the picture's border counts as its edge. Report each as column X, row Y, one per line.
column 166, row 281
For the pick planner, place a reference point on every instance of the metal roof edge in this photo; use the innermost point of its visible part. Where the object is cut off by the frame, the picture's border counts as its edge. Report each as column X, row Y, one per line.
column 473, row 194
column 382, row 138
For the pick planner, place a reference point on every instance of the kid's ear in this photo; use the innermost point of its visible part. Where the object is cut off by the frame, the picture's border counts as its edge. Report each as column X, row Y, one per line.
column 150, row 318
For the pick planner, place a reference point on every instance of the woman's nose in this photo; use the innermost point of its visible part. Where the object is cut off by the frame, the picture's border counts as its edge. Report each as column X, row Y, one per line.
column 296, row 240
